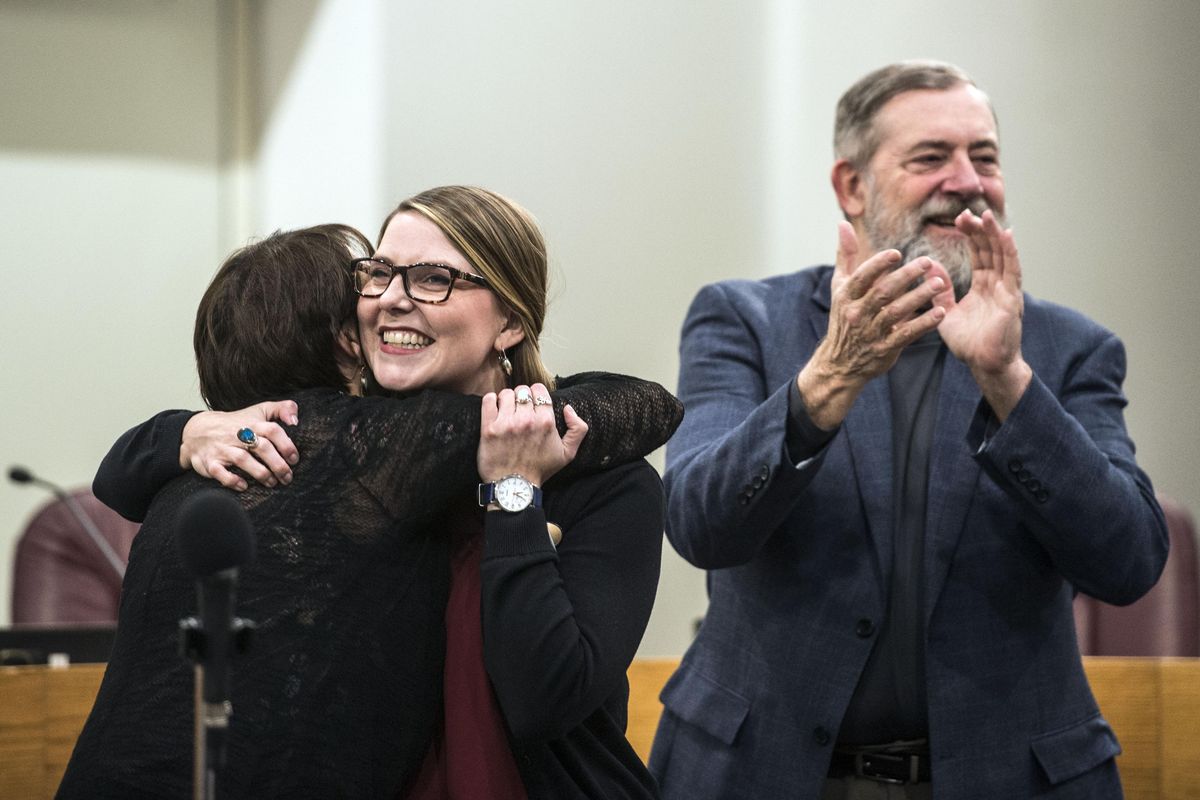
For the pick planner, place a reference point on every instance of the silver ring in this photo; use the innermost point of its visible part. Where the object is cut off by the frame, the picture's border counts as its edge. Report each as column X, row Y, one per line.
column 524, row 396
column 542, row 401
column 247, row 438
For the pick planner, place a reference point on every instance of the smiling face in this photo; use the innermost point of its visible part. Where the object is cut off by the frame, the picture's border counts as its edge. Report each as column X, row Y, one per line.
column 938, row 154
column 453, row 345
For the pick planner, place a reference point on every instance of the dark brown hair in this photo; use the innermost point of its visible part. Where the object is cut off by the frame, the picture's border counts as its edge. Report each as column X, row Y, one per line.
column 268, row 323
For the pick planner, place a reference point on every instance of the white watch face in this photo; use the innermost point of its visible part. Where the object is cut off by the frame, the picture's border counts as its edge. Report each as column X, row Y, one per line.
column 514, row 493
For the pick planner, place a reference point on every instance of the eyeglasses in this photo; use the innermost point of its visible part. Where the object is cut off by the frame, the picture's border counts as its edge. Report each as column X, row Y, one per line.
column 425, row 283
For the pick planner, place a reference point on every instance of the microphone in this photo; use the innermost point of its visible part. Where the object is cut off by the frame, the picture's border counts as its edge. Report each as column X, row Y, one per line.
column 214, row 537
column 23, row 475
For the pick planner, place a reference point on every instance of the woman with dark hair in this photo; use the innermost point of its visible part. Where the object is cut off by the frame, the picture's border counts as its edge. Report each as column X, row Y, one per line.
column 340, row 694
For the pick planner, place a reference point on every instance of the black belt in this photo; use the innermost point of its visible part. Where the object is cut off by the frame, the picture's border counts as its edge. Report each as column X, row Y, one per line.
column 895, row 767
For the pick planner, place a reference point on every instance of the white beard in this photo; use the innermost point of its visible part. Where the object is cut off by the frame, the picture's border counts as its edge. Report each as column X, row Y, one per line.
column 905, row 232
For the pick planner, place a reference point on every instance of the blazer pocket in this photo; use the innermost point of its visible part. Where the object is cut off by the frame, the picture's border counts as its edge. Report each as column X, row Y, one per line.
column 703, row 702
column 1070, row 752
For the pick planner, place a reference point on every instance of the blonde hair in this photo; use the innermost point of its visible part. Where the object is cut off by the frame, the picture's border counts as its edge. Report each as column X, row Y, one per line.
column 501, row 241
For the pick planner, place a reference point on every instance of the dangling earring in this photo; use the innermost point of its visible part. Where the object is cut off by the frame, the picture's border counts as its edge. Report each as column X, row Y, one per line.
column 364, row 378
column 505, row 364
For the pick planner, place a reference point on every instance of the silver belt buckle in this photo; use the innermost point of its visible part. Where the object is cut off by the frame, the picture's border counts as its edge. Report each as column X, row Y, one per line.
column 863, row 767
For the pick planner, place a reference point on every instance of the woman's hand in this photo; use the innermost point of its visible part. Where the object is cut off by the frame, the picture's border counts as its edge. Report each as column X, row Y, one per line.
column 517, row 434
column 211, row 446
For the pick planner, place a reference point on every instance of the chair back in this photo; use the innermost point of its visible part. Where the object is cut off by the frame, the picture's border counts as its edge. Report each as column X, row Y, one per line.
column 1166, row 621
column 59, row 574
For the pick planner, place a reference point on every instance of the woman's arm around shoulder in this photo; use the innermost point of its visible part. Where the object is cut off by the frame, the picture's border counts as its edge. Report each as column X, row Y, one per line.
column 140, row 463
column 627, row 419
column 163, row 447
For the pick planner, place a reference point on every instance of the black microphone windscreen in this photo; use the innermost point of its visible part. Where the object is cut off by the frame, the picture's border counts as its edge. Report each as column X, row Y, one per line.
column 213, row 533
column 20, row 475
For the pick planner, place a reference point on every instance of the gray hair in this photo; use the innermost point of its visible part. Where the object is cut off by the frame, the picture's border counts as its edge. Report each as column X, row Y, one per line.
column 855, row 136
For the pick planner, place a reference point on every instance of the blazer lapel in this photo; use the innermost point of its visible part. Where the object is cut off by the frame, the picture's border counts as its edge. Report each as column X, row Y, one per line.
column 868, row 432
column 868, row 429
column 953, row 475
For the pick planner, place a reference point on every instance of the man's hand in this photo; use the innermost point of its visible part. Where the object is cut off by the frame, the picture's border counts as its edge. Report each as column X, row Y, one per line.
column 983, row 329
column 210, row 445
column 877, row 308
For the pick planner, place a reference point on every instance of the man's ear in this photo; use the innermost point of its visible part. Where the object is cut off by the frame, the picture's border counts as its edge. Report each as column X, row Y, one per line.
column 850, row 187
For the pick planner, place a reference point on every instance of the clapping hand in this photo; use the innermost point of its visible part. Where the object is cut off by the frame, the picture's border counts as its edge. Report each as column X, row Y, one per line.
column 983, row 329
column 877, row 307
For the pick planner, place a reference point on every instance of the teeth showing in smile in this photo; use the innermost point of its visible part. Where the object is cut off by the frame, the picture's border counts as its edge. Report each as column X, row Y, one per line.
column 406, row 339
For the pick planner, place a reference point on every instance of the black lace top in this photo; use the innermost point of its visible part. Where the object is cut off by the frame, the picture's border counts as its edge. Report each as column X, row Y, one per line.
column 341, row 688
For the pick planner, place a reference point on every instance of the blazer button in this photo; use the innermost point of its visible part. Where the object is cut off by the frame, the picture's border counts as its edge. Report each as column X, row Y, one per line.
column 864, row 628
column 1033, row 485
column 1042, row 496
column 757, row 483
column 764, row 472
column 1014, row 466
column 821, row 736
column 1024, row 475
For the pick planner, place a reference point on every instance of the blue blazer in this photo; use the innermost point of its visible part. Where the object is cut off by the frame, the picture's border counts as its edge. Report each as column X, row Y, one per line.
column 1020, row 516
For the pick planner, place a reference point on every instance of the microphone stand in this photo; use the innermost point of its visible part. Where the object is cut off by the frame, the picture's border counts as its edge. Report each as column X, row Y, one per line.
column 214, row 537
column 92, row 531
column 211, row 719
column 204, row 779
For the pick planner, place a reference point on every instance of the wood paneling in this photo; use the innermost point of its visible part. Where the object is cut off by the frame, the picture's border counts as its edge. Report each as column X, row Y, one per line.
column 1152, row 704
column 42, row 710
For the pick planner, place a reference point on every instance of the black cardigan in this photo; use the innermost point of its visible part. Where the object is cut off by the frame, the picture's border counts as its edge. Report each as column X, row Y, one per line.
column 340, row 693
column 560, row 629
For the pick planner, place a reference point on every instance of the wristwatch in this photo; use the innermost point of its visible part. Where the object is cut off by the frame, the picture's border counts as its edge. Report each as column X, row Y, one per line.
column 511, row 493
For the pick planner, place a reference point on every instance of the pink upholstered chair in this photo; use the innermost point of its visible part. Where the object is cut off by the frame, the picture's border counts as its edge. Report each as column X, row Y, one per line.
column 1166, row 622
column 59, row 574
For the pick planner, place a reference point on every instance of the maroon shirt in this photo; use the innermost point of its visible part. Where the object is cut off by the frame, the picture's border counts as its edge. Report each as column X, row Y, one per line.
column 470, row 757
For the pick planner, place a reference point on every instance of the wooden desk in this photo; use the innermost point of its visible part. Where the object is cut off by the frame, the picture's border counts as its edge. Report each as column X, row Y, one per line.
column 1153, row 705
column 646, row 679
column 42, row 710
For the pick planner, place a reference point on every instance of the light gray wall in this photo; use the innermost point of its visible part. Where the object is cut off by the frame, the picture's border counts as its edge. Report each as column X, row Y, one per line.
column 633, row 131
column 109, row 189
column 661, row 145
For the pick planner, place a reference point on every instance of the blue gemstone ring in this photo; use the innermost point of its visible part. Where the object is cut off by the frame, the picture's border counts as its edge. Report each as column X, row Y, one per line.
column 247, row 438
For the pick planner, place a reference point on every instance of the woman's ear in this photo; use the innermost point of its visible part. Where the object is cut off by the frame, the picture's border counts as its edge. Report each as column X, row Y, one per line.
column 511, row 334
column 347, row 341
column 348, row 355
